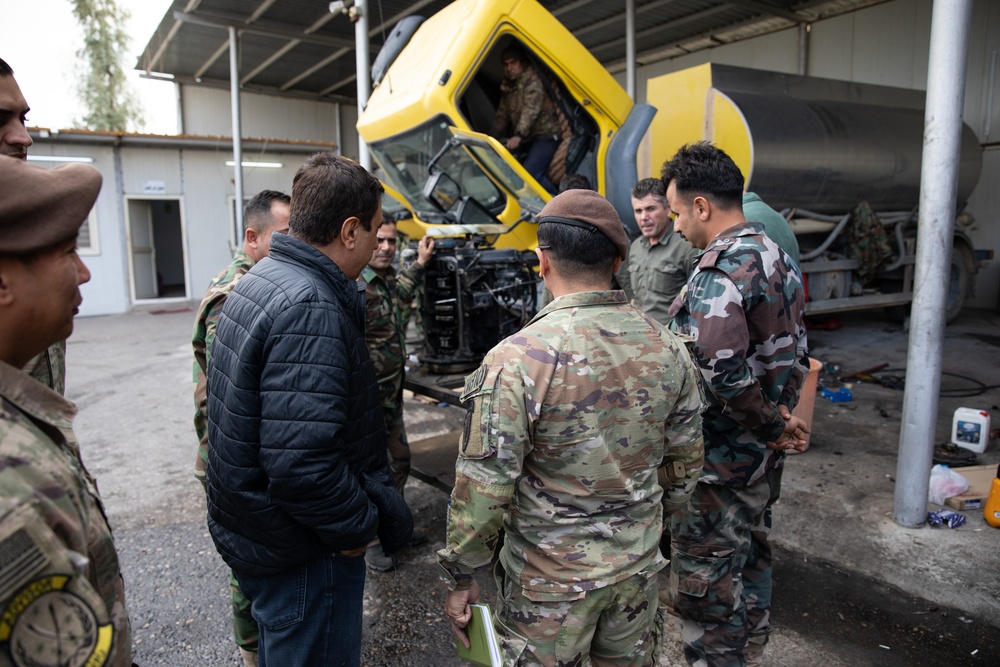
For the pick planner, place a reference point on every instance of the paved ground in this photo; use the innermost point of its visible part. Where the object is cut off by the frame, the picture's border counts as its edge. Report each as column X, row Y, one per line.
column 852, row 588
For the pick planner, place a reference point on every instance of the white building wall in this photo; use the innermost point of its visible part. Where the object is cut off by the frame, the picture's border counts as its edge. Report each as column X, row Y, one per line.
column 888, row 44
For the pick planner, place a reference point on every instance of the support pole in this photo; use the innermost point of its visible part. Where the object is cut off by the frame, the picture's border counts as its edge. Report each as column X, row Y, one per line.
column 234, row 94
column 938, row 191
column 630, row 48
column 363, row 74
column 804, row 30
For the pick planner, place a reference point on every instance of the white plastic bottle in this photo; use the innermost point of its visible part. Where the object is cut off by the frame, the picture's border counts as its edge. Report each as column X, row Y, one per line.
column 970, row 429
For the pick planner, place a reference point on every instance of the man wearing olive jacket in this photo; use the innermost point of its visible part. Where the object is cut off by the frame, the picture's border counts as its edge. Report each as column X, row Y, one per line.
column 298, row 480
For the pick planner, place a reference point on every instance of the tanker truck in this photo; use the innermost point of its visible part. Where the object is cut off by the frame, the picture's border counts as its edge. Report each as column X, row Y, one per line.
column 812, row 148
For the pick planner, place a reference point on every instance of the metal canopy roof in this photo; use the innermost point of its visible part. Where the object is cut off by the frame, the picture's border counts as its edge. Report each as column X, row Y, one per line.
column 298, row 48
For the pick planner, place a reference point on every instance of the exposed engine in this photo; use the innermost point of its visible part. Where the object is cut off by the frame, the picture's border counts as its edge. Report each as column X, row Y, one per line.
column 473, row 299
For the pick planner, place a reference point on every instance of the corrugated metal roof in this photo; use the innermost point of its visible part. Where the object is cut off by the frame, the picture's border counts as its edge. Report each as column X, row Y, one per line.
column 298, row 48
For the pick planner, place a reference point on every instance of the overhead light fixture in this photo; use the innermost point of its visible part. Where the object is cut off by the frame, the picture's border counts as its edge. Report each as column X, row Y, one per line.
column 262, row 165
column 58, row 158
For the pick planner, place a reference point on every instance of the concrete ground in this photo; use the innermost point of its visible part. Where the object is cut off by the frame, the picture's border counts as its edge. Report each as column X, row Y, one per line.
column 852, row 587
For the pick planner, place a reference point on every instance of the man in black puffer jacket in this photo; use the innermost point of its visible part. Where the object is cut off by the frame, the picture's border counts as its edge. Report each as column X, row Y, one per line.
column 298, row 479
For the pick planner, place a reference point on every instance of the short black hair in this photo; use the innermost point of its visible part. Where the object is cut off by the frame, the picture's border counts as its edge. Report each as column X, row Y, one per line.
column 5, row 69
column 703, row 169
column 578, row 252
column 327, row 190
column 574, row 182
column 650, row 187
column 515, row 52
column 257, row 212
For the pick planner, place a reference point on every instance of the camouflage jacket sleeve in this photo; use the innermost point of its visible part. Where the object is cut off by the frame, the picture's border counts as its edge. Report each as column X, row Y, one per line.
column 502, row 120
column 792, row 390
column 204, row 336
column 532, row 100
column 486, row 471
column 407, row 282
column 722, row 340
column 684, row 451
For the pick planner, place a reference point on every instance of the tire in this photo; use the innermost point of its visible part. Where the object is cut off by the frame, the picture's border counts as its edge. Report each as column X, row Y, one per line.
column 959, row 285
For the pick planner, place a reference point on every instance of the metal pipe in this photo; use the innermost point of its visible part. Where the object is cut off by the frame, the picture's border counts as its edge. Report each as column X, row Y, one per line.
column 630, row 48
column 337, row 133
column 938, row 192
column 804, row 30
column 179, row 90
column 363, row 71
column 234, row 94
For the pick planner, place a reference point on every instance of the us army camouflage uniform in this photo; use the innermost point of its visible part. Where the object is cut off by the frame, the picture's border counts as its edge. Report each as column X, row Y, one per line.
column 245, row 630
column 49, row 367
column 653, row 275
column 61, row 589
column 568, row 422
column 744, row 307
column 526, row 108
column 386, row 339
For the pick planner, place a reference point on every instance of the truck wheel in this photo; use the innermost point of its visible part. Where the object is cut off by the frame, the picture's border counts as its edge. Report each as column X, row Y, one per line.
column 960, row 282
column 959, row 285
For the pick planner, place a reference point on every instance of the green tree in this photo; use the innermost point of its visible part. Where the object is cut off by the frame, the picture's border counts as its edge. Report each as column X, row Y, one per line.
column 104, row 89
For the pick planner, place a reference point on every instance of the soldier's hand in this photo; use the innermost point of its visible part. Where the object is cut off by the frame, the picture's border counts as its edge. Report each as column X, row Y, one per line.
column 424, row 250
column 794, row 436
column 513, row 143
column 456, row 607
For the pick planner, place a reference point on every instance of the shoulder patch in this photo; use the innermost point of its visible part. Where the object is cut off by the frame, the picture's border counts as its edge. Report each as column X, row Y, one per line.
column 474, row 383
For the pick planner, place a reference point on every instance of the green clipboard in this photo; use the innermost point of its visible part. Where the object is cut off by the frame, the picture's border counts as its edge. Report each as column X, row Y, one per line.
column 484, row 649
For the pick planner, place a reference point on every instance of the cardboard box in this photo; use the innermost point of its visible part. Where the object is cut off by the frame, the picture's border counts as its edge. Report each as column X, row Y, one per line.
column 980, row 478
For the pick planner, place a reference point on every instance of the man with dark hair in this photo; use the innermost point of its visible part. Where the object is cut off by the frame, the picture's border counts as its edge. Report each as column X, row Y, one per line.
column 62, row 584
column 583, row 429
column 264, row 215
column 659, row 261
column 385, row 292
column 743, row 305
column 575, row 182
column 298, row 480
column 527, row 116
column 48, row 367
column 14, row 137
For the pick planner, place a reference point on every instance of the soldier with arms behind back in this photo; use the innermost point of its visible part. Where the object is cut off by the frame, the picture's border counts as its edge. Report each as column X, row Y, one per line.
column 583, row 430
column 62, row 599
column 743, row 305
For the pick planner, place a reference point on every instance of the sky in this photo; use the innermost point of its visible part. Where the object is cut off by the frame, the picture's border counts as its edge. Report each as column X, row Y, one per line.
column 40, row 40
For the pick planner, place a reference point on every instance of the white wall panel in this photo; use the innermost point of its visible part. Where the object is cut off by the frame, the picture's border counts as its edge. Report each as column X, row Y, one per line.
column 207, row 111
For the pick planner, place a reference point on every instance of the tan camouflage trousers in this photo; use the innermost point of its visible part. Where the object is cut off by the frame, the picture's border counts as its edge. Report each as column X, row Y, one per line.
column 720, row 571
column 618, row 625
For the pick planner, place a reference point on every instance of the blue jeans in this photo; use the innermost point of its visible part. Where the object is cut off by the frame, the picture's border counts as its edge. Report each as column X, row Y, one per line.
column 537, row 157
column 310, row 614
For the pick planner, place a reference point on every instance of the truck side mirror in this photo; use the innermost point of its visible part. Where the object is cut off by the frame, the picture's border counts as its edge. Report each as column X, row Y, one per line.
column 442, row 191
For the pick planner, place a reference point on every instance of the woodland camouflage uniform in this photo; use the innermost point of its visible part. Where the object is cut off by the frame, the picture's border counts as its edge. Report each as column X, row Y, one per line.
column 568, row 422
column 245, row 630
column 61, row 576
column 526, row 108
column 743, row 305
column 385, row 336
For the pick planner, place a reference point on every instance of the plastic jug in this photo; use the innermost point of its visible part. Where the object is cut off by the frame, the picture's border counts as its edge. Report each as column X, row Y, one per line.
column 991, row 512
column 971, row 429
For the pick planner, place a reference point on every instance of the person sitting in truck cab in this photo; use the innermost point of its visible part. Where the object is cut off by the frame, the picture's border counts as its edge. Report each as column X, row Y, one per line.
column 527, row 116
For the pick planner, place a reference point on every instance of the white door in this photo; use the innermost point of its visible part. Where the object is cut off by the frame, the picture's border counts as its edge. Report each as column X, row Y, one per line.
column 140, row 221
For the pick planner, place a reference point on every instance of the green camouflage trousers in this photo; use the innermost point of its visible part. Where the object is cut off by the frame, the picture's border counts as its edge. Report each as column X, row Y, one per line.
column 244, row 627
column 619, row 625
column 396, row 443
column 720, row 571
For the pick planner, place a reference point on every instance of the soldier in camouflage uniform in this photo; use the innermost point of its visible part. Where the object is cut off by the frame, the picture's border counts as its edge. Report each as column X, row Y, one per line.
column 582, row 430
column 385, row 292
column 49, row 367
column 744, row 306
column 265, row 214
column 527, row 117
column 62, row 598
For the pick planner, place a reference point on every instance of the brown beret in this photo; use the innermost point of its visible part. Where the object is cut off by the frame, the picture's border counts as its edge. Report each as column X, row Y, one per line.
column 586, row 208
column 40, row 207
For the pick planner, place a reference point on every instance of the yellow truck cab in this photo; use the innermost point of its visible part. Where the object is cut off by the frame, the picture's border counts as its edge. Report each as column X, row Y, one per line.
column 427, row 118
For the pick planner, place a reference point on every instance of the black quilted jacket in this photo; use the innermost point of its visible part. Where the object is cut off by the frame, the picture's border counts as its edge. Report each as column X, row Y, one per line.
column 297, row 463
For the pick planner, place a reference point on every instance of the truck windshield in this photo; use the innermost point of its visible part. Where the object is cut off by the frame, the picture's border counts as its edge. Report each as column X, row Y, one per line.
column 403, row 160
